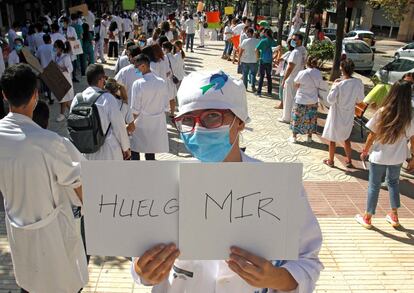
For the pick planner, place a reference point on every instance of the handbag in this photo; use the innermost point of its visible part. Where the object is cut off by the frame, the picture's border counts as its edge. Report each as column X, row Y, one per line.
column 174, row 78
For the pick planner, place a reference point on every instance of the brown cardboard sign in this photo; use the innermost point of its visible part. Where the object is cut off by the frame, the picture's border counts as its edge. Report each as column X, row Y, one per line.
column 82, row 7
column 55, row 80
column 32, row 60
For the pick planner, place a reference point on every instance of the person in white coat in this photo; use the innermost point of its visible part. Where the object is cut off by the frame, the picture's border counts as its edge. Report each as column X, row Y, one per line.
column 99, row 37
column 149, row 103
column 296, row 62
column 38, row 179
column 16, row 56
column 129, row 74
column 116, row 145
column 222, row 111
column 202, row 33
column 345, row 93
column 172, row 78
column 124, row 60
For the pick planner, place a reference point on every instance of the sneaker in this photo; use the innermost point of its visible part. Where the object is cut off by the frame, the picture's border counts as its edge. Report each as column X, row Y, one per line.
column 60, row 118
column 363, row 221
column 258, row 94
column 392, row 219
column 292, row 139
column 309, row 139
column 283, row 121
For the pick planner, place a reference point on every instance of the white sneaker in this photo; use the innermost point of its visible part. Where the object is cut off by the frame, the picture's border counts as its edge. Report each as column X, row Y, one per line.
column 309, row 140
column 283, row 121
column 292, row 139
column 60, row 118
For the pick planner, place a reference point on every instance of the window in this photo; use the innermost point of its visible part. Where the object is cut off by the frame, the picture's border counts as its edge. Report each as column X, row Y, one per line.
column 406, row 65
column 351, row 34
column 366, row 36
column 409, row 46
column 395, row 65
column 357, row 48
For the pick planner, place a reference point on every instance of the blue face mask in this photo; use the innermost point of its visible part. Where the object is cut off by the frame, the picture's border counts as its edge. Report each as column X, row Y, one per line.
column 54, row 50
column 141, row 43
column 18, row 47
column 208, row 145
column 293, row 43
column 138, row 72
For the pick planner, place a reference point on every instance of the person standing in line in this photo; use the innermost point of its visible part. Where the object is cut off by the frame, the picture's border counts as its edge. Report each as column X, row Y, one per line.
column 190, row 32
column 166, row 31
column 40, row 225
column 38, row 36
column 392, row 128
column 248, row 58
column 62, row 60
column 113, row 40
column 16, row 56
column 282, row 63
column 296, row 63
column 179, row 56
column 149, row 103
column 116, row 145
column 71, row 35
column 76, row 24
column 12, row 34
column 128, row 28
column 228, row 45
column 172, row 78
column 124, row 59
column 45, row 54
column 56, row 35
column 265, row 56
column 345, row 93
column 305, row 110
column 201, row 23
column 99, row 35
column 87, row 45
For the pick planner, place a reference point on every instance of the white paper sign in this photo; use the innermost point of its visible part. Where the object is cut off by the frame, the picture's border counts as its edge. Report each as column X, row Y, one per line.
column 256, row 206
column 129, row 206
column 76, row 47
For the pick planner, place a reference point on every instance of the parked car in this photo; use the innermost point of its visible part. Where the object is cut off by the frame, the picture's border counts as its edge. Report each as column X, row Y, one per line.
column 395, row 70
column 366, row 36
column 406, row 51
column 360, row 53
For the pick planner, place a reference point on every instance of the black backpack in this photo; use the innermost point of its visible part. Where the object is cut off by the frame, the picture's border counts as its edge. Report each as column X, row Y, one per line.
column 84, row 125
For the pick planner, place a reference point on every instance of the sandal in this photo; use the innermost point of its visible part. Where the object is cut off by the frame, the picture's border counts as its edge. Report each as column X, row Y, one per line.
column 349, row 164
column 328, row 163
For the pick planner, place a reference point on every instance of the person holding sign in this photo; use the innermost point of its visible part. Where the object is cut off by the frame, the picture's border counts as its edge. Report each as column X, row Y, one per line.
column 212, row 113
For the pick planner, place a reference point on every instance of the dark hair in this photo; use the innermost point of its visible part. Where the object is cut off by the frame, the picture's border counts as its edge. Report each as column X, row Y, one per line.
column 54, row 27
column 299, row 36
column 165, row 26
column 16, row 24
column 74, row 16
column 149, row 52
column 250, row 31
column 31, row 30
column 134, row 51
column 19, row 83
column 65, row 47
column 97, row 22
column 347, row 66
column 162, row 39
column 312, row 62
column 39, row 27
column 129, row 44
column 142, row 59
column 158, row 53
column 94, row 73
column 65, row 19
column 46, row 38
column 244, row 19
column 41, row 114
column 318, row 26
column 408, row 74
column 168, row 46
column 113, row 26
column 179, row 44
column 18, row 39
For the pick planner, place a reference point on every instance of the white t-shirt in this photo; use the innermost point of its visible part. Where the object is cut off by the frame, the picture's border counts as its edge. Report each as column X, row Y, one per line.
column 297, row 57
column 309, row 80
column 127, row 25
column 249, row 50
column 38, row 39
column 238, row 29
column 190, row 26
column 45, row 54
column 228, row 33
column 389, row 154
column 57, row 36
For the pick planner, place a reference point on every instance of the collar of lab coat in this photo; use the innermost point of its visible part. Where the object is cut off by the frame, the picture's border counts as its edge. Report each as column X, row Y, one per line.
column 20, row 118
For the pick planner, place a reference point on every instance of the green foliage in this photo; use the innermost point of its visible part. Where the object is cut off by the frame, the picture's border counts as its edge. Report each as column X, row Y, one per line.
column 318, row 6
column 394, row 9
column 323, row 51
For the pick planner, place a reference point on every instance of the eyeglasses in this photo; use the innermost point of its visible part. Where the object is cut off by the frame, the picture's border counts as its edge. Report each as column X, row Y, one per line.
column 209, row 119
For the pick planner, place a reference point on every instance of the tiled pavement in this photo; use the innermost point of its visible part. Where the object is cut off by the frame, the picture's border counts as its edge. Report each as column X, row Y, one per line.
column 355, row 259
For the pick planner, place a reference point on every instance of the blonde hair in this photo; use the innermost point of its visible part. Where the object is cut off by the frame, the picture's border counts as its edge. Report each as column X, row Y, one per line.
column 113, row 87
column 395, row 114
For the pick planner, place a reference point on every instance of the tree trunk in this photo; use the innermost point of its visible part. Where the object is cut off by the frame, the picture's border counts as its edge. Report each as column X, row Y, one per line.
column 282, row 18
column 340, row 21
column 256, row 13
column 308, row 26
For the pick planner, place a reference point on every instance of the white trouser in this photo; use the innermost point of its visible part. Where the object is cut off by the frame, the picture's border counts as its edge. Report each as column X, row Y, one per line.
column 289, row 93
column 202, row 33
column 99, row 51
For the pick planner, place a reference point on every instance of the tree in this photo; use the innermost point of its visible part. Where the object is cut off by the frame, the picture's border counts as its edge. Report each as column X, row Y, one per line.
column 340, row 22
column 283, row 13
column 314, row 6
column 394, row 9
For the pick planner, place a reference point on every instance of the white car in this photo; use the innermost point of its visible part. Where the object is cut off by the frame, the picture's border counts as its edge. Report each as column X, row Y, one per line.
column 360, row 53
column 395, row 70
column 406, row 51
column 312, row 39
column 366, row 36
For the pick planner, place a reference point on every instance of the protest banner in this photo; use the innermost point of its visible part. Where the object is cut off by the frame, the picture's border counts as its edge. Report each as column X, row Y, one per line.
column 254, row 206
column 200, row 6
column 32, row 60
column 55, row 80
column 77, row 8
column 229, row 10
column 129, row 206
column 76, row 47
column 213, row 19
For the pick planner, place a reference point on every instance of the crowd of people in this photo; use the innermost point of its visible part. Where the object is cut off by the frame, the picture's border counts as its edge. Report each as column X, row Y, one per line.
column 126, row 115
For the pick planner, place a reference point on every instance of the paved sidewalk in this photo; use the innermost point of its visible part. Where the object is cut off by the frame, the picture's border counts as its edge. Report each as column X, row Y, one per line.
column 355, row 259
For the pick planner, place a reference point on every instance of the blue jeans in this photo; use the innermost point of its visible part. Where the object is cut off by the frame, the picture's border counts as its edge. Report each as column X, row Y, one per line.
column 249, row 69
column 228, row 47
column 190, row 38
column 376, row 173
column 265, row 68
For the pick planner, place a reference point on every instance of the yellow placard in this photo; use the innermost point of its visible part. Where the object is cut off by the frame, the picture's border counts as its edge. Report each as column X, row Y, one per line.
column 229, row 10
column 200, row 6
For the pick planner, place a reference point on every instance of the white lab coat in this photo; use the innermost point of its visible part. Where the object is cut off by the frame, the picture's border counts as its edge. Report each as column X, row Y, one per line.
column 179, row 72
column 121, row 62
column 37, row 174
column 64, row 61
column 2, row 65
column 214, row 276
column 342, row 99
column 117, row 139
column 127, row 76
column 149, row 102
column 162, row 69
column 172, row 88
column 13, row 58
